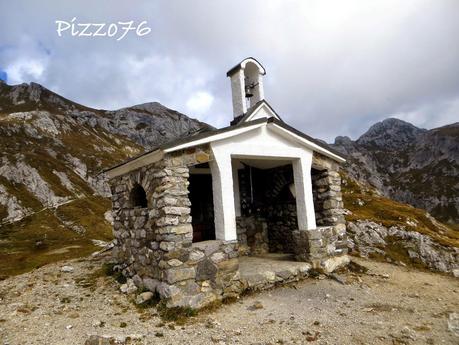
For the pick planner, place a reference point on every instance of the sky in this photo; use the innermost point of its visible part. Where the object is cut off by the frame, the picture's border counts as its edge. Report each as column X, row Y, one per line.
column 333, row 67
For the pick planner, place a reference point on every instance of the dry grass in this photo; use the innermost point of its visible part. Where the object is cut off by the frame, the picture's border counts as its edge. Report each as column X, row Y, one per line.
column 20, row 253
column 365, row 204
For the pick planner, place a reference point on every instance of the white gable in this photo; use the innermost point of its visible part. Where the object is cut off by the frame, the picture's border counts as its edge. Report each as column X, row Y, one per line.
column 262, row 142
column 261, row 111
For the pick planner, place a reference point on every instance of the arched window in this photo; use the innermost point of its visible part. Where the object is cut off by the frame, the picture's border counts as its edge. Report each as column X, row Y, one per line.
column 138, row 197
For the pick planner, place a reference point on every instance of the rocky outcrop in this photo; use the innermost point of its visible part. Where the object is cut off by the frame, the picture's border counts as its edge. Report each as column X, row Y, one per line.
column 14, row 210
column 408, row 164
column 22, row 173
column 369, row 239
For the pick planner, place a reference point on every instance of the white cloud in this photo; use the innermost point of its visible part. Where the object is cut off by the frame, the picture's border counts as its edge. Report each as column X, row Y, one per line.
column 25, row 70
column 199, row 102
column 433, row 114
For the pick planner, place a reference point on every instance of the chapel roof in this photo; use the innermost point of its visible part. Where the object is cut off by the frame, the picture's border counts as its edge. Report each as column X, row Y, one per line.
column 207, row 133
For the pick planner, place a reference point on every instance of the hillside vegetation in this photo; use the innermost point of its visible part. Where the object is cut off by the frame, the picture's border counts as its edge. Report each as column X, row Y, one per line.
column 53, row 201
column 365, row 203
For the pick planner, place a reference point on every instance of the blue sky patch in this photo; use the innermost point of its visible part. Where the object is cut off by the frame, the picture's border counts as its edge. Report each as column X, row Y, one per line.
column 3, row 76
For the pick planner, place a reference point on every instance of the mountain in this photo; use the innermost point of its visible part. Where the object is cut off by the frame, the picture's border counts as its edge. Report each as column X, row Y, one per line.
column 53, row 203
column 408, row 164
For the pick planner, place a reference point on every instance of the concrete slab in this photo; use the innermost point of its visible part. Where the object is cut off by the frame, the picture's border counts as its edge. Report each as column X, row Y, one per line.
column 264, row 271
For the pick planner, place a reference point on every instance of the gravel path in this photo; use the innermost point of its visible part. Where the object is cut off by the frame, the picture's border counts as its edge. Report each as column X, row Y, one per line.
column 387, row 305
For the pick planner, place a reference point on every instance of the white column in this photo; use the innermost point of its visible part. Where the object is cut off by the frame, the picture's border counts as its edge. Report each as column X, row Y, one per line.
column 238, row 93
column 237, row 197
column 223, row 189
column 303, row 191
column 259, row 93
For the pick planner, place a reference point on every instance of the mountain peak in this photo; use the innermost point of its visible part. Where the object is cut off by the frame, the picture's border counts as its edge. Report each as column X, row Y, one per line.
column 34, row 96
column 390, row 133
column 148, row 107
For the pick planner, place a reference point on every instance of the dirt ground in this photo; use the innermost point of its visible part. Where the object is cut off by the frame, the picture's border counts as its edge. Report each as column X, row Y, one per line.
column 387, row 305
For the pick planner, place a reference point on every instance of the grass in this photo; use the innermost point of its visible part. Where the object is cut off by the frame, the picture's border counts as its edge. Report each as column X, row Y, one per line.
column 179, row 315
column 19, row 252
column 108, row 269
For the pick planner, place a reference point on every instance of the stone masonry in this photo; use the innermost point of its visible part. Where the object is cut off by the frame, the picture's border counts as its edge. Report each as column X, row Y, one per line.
column 154, row 244
column 252, row 235
column 267, row 224
column 325, row 246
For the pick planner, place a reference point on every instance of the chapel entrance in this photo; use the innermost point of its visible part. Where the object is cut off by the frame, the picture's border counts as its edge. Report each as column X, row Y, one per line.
column 268, row 212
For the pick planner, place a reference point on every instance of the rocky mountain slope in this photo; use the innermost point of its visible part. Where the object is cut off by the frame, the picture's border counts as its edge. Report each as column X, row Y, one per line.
column 384, row 229
column 412, row 165
column 52, row 200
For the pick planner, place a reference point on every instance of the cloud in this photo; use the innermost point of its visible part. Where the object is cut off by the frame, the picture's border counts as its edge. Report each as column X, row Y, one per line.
column 199, row 102
column 333, row 67
column 25, row 69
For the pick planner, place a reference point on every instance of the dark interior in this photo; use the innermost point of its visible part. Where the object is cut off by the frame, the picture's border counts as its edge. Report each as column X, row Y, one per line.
column 266, row 198
column 138, row 197
column 202, row 207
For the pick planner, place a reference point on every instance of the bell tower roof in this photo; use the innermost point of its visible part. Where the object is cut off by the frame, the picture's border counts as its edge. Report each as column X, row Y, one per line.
column 242, row 65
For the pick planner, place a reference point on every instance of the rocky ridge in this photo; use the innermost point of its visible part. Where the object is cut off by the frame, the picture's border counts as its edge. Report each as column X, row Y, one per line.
column 412, row 165
column 382, row 228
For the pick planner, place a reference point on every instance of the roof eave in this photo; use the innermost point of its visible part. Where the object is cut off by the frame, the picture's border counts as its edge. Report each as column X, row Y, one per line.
column 311, row 142
column 136, row 163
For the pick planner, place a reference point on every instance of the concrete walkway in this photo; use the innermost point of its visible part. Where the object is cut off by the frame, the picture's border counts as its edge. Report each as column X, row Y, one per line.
column 265, row 271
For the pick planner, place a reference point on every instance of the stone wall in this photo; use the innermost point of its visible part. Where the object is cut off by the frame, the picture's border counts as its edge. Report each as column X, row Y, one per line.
column 327, row 243
column 281, row 212
column 282, row 221
column 252, row 235
column 153, row 245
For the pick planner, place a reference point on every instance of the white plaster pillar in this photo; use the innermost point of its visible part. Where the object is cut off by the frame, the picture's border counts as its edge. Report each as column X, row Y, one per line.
column 238, row 93
column 258, row 92
column 223, row 194
column 303, row 191
column 237, row 197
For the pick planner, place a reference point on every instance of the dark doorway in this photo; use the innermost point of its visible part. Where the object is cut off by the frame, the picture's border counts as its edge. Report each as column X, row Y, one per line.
column 202, row 207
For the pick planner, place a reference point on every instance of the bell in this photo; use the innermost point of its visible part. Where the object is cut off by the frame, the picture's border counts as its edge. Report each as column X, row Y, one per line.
column 248, row 91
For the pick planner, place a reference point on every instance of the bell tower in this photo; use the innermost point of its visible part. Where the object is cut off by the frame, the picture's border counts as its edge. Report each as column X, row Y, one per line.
column 246, row 85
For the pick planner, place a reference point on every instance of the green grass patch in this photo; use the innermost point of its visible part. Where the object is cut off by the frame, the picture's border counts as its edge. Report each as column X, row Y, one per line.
column 108, row 269
column 178, row 315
